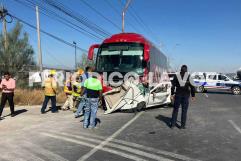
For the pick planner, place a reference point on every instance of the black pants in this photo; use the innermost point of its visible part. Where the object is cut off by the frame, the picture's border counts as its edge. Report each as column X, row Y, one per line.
column 184, row 102
column 53, row 102
column 7, row 97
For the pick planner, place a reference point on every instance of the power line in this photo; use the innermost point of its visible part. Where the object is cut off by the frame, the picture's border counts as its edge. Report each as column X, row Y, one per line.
column 58, row 15
column 58, row 18
column 144, row 24
column 48, row 34
column 83, row 20
column 62, row 20
column 140, row 22
column 99, row 13
column 119, row 13
column 53, row 57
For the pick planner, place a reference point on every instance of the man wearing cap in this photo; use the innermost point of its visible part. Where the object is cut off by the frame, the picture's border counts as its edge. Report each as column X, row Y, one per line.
column 93, row 89
column 7, row 86
column 50, row 90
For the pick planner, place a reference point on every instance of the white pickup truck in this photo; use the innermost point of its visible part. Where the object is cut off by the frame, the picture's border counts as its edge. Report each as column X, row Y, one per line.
column 206, row 81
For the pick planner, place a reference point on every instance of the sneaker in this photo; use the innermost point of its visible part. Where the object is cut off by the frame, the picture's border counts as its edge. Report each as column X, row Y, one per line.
column 95, row 127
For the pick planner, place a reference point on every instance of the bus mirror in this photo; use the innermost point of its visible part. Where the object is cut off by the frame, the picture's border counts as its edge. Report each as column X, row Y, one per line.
column 91, row 51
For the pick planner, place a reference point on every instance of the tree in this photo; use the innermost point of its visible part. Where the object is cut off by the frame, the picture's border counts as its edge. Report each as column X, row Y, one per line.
column 19, row 54
column 85, row 62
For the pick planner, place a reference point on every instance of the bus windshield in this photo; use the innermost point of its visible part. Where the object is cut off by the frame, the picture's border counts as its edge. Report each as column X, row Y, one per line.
column 121, row 57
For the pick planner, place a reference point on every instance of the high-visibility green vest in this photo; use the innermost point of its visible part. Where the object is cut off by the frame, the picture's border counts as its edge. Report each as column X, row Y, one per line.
column 93, row 84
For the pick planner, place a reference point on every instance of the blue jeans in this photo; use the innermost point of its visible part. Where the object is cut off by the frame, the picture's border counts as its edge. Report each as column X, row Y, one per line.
column 184, row 102
column 90, row 112
column 81, row 106
column 53, row 102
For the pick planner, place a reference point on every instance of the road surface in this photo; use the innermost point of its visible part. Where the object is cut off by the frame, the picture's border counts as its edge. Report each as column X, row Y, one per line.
column 213, row 133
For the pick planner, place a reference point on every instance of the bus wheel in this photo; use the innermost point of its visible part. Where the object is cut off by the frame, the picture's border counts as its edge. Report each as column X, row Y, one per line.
column 236, row 90
column 200, row 89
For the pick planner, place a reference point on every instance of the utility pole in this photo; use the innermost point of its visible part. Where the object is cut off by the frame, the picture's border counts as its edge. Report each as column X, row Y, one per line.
column 39, row 41
column 123, row 14
column 3, row 16
column 75, row 56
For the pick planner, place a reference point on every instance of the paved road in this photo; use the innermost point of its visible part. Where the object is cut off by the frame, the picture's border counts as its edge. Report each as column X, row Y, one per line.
column 213, row 133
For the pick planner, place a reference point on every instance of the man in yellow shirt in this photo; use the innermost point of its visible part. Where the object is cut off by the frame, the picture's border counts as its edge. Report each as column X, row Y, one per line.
column 76, row 93
column 68, row 91
column 50, row 90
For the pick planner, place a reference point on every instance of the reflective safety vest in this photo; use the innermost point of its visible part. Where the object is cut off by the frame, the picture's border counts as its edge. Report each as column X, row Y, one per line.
column 50, row 87
column 76, row 89
column 68, row 87
column 93, row 84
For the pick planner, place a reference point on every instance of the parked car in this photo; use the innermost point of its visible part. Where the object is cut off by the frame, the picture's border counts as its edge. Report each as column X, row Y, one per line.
column 217, row 81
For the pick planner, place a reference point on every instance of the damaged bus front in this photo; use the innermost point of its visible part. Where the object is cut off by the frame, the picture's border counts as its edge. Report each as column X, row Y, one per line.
column 133, row 72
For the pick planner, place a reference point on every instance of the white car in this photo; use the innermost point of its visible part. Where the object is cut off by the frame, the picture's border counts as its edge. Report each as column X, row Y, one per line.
column 216, row 81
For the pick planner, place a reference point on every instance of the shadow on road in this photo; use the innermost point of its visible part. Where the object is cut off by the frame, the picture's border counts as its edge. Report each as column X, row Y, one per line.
column 219, row 92
column 167, row 120
column 164, row 119
column 17, row 112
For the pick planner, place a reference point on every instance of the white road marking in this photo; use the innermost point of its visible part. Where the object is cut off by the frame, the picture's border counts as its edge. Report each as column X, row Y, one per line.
column 17, row 153
column 206, row 95
column 110, row 138
column 125, row 155
column 118, row 146
column 235, row 126
column 39, row 150
column 133, row 145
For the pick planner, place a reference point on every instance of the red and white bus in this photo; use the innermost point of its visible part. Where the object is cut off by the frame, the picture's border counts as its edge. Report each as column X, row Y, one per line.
column 131, row 52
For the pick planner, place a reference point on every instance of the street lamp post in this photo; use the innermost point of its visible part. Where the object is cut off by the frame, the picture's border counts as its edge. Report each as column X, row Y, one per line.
column 75, row 57
column 123, row 15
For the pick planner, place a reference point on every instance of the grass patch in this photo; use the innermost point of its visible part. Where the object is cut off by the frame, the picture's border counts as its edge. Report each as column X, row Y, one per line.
column 34, row 97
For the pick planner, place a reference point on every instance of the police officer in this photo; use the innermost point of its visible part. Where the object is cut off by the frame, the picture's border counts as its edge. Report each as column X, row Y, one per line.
column 180, row 94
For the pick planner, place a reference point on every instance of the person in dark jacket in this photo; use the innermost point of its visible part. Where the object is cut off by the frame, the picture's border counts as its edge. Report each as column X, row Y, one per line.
column 181, row 91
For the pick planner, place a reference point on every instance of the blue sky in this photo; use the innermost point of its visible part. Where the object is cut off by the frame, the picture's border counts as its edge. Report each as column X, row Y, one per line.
column 204, row 34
